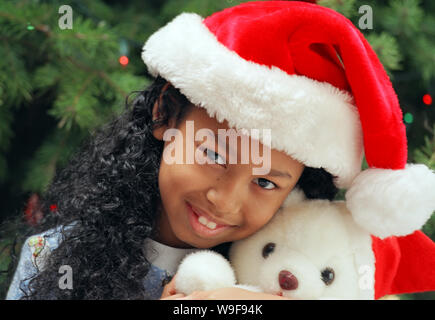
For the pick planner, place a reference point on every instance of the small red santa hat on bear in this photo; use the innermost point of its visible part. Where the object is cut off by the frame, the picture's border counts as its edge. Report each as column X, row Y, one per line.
column 403, row 264
column 308, row 74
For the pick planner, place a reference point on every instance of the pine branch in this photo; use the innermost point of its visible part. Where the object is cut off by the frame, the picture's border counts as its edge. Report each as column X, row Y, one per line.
column 426, row 153
column 387, row 49
column 52, row 154
column 345, row 7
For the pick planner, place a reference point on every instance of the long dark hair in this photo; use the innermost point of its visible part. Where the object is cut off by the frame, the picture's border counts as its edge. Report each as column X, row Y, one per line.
column 108, row 195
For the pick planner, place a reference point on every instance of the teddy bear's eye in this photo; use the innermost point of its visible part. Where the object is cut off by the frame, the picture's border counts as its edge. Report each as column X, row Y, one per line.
column 327, row 275
column 268, row 249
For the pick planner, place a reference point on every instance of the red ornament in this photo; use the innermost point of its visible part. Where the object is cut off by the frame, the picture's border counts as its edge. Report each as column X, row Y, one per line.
column 32, row 212
column 53, row 207
column 123, row 60
column 427, row 99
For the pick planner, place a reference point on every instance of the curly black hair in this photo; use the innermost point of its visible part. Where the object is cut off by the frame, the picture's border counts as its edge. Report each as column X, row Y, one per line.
column 108, row 196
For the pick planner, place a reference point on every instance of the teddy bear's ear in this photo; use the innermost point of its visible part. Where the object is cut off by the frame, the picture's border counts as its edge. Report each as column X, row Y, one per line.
column 295, row 196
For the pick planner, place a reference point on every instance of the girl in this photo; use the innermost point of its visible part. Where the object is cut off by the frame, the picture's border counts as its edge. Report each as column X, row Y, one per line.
column 117, row 192
column 125, row 217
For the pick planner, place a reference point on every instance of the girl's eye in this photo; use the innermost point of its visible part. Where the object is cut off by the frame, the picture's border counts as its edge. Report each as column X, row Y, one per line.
column 266, row 184
column 214, row 156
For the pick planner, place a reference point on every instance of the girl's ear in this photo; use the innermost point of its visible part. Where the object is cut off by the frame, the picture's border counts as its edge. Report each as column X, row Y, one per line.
column 158, row 132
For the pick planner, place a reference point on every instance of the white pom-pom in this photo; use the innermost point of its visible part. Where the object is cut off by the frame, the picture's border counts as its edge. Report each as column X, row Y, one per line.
column 202, row 271
column 389, row 202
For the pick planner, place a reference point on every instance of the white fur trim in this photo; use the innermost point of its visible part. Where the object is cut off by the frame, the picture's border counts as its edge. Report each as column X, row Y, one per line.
column 312, row 121
column 392, row 202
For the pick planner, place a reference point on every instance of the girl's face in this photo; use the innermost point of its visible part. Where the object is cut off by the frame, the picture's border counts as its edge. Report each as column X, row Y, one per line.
column 204, row 205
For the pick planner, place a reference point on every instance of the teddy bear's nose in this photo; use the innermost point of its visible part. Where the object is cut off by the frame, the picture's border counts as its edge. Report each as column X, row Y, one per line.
column 287, row 280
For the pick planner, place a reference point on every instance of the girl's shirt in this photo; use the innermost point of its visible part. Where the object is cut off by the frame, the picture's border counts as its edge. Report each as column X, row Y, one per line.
column 164, row 262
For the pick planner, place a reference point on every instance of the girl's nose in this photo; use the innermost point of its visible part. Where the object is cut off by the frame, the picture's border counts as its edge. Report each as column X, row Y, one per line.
column 224, row 203
column 287, row 280
column 226, row 196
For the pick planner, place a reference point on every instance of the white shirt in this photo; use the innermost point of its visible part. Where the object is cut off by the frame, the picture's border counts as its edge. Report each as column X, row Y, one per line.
column 165, row 257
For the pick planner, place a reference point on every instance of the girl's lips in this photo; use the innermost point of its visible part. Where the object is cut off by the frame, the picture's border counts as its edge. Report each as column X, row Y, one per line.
column 200, row 212
column 202, row 229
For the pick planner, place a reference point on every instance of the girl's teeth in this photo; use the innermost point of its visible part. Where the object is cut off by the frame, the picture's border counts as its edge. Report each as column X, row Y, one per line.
column 204, row 221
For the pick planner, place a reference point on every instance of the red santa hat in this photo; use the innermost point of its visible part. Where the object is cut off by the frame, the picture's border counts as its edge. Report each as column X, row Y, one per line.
column 308, row 74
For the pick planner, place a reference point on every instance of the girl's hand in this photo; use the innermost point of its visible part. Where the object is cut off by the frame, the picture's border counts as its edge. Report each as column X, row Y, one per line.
column 231, row 293
column 169, row 292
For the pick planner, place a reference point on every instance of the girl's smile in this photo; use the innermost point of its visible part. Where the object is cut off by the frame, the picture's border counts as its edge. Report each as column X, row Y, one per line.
column 205, row 225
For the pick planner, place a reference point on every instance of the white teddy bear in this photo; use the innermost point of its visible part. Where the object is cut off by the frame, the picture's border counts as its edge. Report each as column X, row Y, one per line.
column 311, row 249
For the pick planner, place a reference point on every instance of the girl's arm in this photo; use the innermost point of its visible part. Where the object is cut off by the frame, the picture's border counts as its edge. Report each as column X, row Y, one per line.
column 226, row 294
column 231, row 293
column 24, row 270
column 34, row 252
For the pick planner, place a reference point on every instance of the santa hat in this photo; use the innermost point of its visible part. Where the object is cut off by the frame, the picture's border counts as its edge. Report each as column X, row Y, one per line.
column 307, row 73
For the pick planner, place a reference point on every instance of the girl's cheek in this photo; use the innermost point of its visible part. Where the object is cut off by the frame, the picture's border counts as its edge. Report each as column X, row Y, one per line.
column 247, row 227
column 177, row 175
column 255, row 222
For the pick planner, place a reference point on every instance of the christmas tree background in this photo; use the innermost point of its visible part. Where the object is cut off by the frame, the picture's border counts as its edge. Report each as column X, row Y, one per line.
column 58, row 85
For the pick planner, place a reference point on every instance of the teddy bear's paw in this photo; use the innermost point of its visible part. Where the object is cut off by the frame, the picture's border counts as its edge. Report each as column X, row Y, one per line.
column 202, row 271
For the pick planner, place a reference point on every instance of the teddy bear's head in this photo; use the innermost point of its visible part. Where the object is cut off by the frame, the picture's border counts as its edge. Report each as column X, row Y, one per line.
column 314, row 249
column 309, row 250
